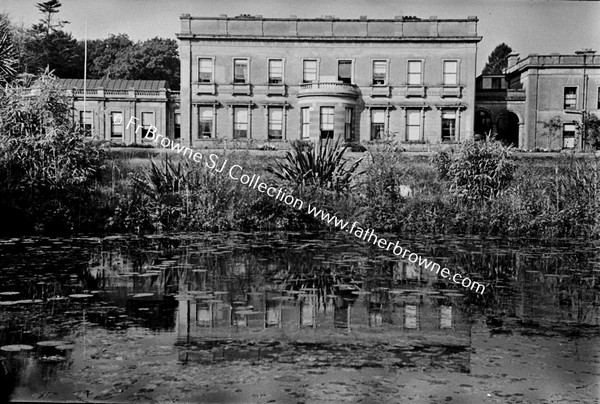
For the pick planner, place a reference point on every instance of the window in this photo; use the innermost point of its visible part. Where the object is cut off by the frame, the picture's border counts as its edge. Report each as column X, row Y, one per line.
column 327, row 114
column 379, row 72
column 450, row 72
column 415, row 72
column 309, row 71
column 348, row 123
column 570, row 97
column 275, row 123
column 496, row 83
column 205, row 127
column 116, row 125
column 448, row 126
column 275, row 71
column 86, row 122
column 568, row 135
column 205, row 70
column 305, row 123
column 177, row 121
column 413, row 125
column 377, row 124
column 598, row 97
column 345, row 71
column 240, row 122
column 240, row 71
column 147, row 122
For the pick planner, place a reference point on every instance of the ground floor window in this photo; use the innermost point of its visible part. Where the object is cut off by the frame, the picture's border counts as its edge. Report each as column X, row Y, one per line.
column 327, row 114
column 177, row 128
column 116, row 125
column 377, row 124
column 413, row 125
column 206, row 122
column 240, row 122
column 569, row 135
column 305, row 123
column 86, row 122
column 349, row 123
column 147, row 122
column 448, row 126
column 275, row 123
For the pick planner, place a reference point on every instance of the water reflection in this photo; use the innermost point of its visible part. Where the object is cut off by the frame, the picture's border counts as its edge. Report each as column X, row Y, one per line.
column 283, row 297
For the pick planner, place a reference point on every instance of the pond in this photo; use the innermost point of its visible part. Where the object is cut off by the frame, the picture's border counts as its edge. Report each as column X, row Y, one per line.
column 296, row 317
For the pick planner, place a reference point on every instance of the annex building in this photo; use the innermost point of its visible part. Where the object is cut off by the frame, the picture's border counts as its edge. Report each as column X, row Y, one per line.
column 110, row 103
column 281, row 79
column 540, row 99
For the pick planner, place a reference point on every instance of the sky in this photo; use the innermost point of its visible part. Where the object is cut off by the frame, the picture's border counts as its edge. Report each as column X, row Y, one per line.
column 527, row 26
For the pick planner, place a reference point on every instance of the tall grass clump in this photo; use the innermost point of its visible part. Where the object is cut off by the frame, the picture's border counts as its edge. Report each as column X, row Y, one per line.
column 48, row 170
column 478, row 171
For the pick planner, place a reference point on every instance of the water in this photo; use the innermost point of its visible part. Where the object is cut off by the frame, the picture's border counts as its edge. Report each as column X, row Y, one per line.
column 294, row 317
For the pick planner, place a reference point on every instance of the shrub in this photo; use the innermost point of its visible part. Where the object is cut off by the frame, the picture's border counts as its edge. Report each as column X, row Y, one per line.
column 479, row 170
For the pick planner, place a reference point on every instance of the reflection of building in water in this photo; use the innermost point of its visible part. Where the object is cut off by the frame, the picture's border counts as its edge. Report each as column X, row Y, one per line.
column 398, row 310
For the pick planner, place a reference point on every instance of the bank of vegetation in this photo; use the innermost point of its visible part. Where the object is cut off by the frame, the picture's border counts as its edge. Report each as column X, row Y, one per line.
column 53, row 180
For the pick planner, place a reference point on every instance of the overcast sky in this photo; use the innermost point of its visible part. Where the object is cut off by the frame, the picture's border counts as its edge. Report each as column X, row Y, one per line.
column 528, row 26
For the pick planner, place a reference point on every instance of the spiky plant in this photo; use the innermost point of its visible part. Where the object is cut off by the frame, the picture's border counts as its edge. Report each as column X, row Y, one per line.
column 324, row 165
column 8, row 53
column 163, row 179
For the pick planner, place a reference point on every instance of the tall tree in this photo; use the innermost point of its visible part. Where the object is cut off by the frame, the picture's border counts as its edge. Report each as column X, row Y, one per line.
column 47, row 23
column 46, row 45
column 497, row 60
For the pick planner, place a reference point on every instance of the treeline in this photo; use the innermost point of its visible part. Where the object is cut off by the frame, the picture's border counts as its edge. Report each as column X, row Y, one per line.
column 47, row 45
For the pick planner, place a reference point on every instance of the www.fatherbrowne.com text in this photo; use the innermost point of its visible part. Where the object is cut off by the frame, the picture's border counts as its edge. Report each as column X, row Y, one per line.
column 236, row 172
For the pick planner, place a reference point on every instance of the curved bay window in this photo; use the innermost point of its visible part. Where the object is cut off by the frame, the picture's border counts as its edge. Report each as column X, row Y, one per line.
column 327, row 114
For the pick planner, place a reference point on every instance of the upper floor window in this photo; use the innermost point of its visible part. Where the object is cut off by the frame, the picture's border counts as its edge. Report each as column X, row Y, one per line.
column 450, row 72
column 240, row 71
column 345, row 71
column 205, row 70
column 309, row 71
column 275, row 71
column 598, row 97
column 415, row 72
column 379, row 72
column 570, row 99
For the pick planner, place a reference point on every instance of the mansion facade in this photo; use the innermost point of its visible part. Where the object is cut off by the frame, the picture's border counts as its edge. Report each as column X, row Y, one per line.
column 283, row 79
column 270, row 80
